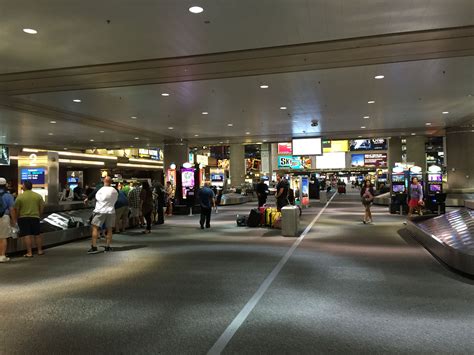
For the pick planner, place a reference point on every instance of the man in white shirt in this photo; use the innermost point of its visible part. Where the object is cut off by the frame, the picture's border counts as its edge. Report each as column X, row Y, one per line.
column 104, row 213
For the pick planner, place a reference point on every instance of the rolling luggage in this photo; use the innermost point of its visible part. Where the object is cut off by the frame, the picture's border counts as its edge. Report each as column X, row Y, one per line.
column 241, row 221
column 290, row 221
column 268, row 216
column 254, row 218
column 341, row 189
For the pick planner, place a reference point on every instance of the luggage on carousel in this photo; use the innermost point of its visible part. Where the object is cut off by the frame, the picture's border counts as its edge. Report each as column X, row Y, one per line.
column 254, row 218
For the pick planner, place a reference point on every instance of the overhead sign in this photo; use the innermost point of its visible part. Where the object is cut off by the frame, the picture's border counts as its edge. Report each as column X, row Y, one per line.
column 335, row 146
column 378, row 160
column 307, row 146
column 368, row 144
column 284, row 148
column 331, row 161
column 357, row 160
column 4, row 155
column 292, row 162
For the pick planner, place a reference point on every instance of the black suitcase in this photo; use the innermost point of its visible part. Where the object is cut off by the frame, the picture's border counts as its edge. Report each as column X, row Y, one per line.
column 254, row 218
column 241, row 221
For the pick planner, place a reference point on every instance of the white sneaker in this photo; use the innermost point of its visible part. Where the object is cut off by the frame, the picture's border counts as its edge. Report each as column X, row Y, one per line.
column 4, row 259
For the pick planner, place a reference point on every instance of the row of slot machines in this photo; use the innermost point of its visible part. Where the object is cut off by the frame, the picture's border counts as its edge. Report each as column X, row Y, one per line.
column 432, row 183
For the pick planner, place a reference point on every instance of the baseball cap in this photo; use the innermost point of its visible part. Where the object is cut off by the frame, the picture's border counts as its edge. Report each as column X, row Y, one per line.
column 3, row 181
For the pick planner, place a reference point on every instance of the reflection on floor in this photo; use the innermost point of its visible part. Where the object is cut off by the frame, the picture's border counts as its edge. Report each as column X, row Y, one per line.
column 349, row 287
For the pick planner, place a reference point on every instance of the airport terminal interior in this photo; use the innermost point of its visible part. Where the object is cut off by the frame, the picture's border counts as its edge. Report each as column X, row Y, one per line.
column 236, row 177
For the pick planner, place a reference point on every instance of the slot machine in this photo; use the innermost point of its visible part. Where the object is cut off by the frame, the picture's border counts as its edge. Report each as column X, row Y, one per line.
column 435, row 198
column 398, row 191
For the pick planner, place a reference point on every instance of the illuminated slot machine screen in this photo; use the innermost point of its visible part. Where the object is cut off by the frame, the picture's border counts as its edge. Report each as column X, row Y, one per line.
column 435, row 188
column 187, row 180
column 398, row 188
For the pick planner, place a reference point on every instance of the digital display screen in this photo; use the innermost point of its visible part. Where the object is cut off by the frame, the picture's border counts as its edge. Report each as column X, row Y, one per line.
column 368, row 144
column 4, row 155
column 331, row 161
column 35, row 175
column 435, row 177
column 378, row 160
column 72, row 180
column 307, row 146
column 284, row 148
column 398, row 188
column 435, row 188
column 217, row 177
column 357, row 160
column 398, row 178
column 187, row 179
column 335, row 146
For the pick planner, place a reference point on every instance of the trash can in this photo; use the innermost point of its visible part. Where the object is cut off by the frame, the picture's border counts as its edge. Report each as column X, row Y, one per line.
column 323, row 196
column 290, row 221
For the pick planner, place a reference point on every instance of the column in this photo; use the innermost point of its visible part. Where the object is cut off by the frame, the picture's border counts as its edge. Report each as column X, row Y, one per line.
column 459, row 159
column 265, row 152
column 175, row 153
column 237, row 164
column 394, row 152
column 274, row 158
column 416, row 151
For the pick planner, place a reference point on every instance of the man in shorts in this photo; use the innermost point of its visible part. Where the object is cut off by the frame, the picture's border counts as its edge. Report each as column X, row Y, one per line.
column 104, row 214
column 6, row 218
column 28, row 209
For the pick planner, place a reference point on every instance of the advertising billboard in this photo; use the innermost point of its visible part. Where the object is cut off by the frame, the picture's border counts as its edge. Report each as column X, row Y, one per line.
column 284, row 148
column 357, row 160
column 4, row 155
column 331, row 161
column 335, row 146
column 368, row 144
column 307, row 146
column 377, row 160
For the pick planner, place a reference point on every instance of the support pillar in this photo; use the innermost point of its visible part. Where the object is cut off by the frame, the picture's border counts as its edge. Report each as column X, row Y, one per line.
column 265, row 152
column 459, row 159
column 274, row 158
column 394, row 152
column 416, row 151
column 237, row 164
column 175, row 153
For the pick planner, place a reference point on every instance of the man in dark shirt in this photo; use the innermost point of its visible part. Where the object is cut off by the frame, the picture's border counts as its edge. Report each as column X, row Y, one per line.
column 262, row 193
column 207, row 202
column 78, row 193
column 281, row 192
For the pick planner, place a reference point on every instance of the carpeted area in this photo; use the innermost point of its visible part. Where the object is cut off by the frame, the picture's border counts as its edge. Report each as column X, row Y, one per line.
column 348, row 287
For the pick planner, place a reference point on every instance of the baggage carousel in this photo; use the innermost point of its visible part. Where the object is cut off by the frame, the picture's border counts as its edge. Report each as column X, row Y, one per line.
column 450, row 237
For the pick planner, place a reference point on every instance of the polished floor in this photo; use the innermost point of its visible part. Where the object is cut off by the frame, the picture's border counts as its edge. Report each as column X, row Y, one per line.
column 347, row 288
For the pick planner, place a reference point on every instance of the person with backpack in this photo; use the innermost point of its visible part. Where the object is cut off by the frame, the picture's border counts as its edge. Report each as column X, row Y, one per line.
column 6, row 218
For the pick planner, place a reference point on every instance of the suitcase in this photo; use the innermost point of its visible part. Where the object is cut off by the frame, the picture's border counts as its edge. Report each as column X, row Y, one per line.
column 276, row 219
column 262, row 211
column 290, row 221
column 254, row 218
column 268, row 216
column 341, row 189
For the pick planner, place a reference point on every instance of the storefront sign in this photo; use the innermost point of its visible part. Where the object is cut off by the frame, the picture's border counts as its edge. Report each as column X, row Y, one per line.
column 293, row 162
column 284, row 148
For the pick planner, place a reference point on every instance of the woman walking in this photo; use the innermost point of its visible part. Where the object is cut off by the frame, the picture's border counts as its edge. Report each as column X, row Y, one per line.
column 367, row 194
column 146, row 204
column 415, row 197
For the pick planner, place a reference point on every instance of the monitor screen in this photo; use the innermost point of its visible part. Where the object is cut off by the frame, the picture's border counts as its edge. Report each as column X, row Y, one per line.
column 331, row 161
column 435, row 177
column 284, row 148
column 357, row 160
column 4, row 155
column 398, row 178
column 307, row 146
column 368, row 144
column 435, row 188
column 35, row 175
column 217, row 177
column 398, row 188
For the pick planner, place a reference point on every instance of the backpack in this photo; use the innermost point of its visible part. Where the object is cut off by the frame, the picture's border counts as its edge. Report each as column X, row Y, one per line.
column 3, row 205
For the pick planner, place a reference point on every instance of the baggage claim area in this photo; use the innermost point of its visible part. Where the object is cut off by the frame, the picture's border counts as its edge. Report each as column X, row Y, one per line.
column 209, row 188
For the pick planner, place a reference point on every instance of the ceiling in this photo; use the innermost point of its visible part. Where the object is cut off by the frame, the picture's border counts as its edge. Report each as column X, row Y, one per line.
column 72, row 33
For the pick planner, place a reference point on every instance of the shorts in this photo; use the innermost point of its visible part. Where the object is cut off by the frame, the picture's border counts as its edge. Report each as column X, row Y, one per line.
column 99, row 219
column 121, row 213
column 134, row 212
column 413, row 202
column 29, row 226
column 5, row 227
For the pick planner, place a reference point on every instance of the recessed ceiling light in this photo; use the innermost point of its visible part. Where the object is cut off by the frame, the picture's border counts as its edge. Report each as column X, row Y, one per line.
column 196, row 135
column 264, row 86
column 53, row 122
column 445, row 112
column 366, row 116
column 136, row 138
column 133, row 117
column 101, row 131
column 428, row 123
column 413, row 134
column 230, row 124
column 165, row 94
column 91, row 140
column 205, row 113
column 170, row 127
column 15, row 143
column 221, row 142
column 379, row 77
column 65, row 148
column 196, row 9
column 371, row 102
column 359, row 136
column 4, row 136
column 363, row 127
column 77, row 100
column 247, row 132
column 30, row 31
column 283, row 108
column 265, row 140
column 50, row 134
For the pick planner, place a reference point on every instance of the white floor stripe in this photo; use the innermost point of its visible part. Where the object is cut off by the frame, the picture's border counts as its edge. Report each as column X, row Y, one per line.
column 224, row 339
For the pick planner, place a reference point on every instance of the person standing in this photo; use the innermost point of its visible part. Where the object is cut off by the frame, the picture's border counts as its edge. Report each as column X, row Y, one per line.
column 104, row 214
column 134, row 203
column 262, row 192
column 207, row 201
column 415, row 197
column 7, row 216
column 160, row 203
column 281, row 192
column 367, row 194
column 169, row 198
column 146, row 205
column 121, row 211
column 28, row 210
column 78, row 192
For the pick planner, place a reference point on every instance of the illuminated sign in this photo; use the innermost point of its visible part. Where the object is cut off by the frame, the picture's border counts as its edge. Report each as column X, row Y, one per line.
column 4, row 155
column 335, row 146
column 368, row 144
column 358, row 160
column 36, row 176
column 307, row 146
column 284, row 148
column 378, row 160
column 292, row 162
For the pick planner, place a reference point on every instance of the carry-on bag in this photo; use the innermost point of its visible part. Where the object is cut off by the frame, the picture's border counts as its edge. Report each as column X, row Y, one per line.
column 254, row 218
